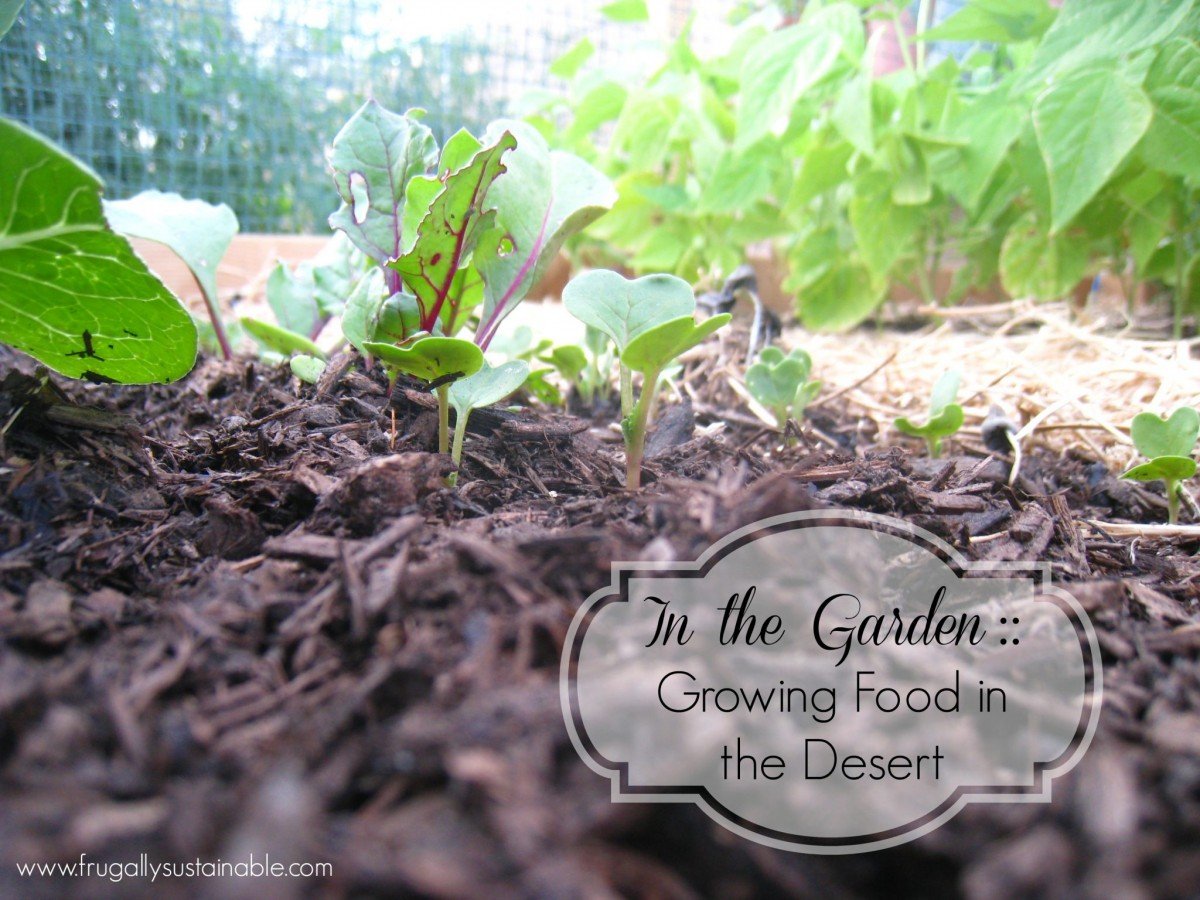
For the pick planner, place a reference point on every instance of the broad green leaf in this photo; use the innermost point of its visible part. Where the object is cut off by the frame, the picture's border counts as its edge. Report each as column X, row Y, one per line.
column 624, row 308
column 543, row 198
column 738, row 181
column 373, row 157
column 823, row 167
column 1086, row 125
column 280, row 339
column 776, row 73
column 945, row 390
column 884, row 230
column 852, row 113
column 1039, row 265
column 652, row 350
column 1154, row 436
column 569, row 361
column 335, row 271
column 1173, row 85
column 997, row 21
column 448, row 234
column 944, row 424
column 840, row 299
column 198, row 233
column 307, row 368
column 73, row 293
column 599, row 105
column 430, row 358
column 292, row 298
column 1087, row 31
column 361, row 315
column 1163, row 468
column 489, row 385
column 573, row 59
column 8, row 14
column 988, row 126
column 626, row 11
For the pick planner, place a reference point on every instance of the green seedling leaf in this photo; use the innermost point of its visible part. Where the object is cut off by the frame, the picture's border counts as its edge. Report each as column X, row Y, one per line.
column 626, row 11
column 1173, row 85
column 569, row 361
column 307, row 368
column 651, row 350
column 489, row 385
column 945, row 390
column 8, row 14
column 74, row 293
column 198, row 233
column 1163, row 468
column 1154, row 436
column 542, row 199
column 373, row 157
column 280, row 339
column 624, row 308
column 431, row 359
column 292, row 297
column 943, row 424
column 1086, row 125
column 775, row 380
column 447, row 235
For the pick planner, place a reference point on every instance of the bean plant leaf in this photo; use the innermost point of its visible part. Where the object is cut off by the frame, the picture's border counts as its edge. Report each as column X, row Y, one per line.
column 198, row 233
column 8, row 14
column 542, row 199
column 280, row 339
column 781, row 68
column 447, row 235
column 988, row 126
column 73, row 293
column 997, row 21
column 489, row 385
column 626, row 11
column 1086, row 125
column 570, row 62
column 430, row 358
column 623, row 308
column 1154, row 436
column 307, row 368
column 373, row 157
column 1173, row 85
column 651, row 350
column 841, row 298
column 1163, row 468
column 1087, row 31
column 1039, row 265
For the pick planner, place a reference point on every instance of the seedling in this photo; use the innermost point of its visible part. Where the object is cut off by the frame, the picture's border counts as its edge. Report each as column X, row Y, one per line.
column 651, row 322
column 781, row 383
column 487, row 386
column 1167, row 444
column 945, row 416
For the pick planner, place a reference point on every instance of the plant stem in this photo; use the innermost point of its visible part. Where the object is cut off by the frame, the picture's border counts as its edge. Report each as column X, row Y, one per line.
column 935, row 447
column 1180, row 288
column 634, row 428
column 460, row 432
column 214, row 315
column 1172, row 500
column 443, row 395
column 626, row 392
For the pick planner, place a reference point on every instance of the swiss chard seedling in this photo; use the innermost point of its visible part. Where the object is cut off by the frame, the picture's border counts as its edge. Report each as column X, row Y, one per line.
column 650, row 320
column 1167, row 444
column 945, row 415
column 781, row 383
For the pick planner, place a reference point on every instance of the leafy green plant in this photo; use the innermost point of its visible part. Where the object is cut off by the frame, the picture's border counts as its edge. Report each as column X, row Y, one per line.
column 77, row 297
column 945, row 415
column 651, row 321
column 1167, row 444
column 487, row 386
column 461, row 246
column 781, row 383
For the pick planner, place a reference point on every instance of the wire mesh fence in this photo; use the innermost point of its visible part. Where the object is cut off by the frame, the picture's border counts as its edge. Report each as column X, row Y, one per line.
column 234, row 101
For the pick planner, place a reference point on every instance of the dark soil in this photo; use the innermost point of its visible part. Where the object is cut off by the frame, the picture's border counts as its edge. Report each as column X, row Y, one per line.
column 239, row 619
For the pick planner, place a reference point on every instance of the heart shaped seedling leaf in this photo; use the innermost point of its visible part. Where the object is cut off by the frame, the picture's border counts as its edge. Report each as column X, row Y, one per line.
column 651, row 350
column 307, row 368
column 1163, row 468
column 781, row 383
column 280, row 339
column 945, row 416
column 624, row 308
column 1154, row 436
column 487, row 386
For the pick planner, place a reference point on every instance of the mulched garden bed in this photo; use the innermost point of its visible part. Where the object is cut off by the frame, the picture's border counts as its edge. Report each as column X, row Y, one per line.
column 237, row 618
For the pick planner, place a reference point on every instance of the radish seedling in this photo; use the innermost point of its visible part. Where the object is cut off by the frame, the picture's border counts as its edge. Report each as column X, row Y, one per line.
column 1167, row 444
column 781, row 383
column 487, row 386
column 945, row 416
column 651, row 322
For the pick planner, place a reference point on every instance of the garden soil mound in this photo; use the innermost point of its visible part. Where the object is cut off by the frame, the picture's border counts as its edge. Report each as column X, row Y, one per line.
column 237, row 618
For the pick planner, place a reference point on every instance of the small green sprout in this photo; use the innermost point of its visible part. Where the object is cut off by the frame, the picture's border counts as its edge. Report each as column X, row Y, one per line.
column 487, row 386
column 307, row 359
column 1168, row 444
column 945, row 416
column 781, row 383
column 650, row 320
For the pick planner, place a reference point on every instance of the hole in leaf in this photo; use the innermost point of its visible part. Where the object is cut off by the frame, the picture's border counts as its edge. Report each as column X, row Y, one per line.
column 507, row 246
column 360, row 200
